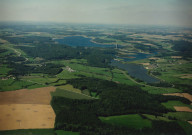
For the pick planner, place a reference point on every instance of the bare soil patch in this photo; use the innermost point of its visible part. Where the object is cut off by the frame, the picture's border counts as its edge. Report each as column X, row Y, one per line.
column 176, row 57
column 185, row 95
column 145, row 64
column 26, row 116
column 25, row 96
column 182, row 109
column 190, row 122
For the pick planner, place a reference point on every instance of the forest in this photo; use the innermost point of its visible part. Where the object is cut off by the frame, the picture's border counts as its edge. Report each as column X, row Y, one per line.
column 114, row 99
column 184, row 48
column 98, row 57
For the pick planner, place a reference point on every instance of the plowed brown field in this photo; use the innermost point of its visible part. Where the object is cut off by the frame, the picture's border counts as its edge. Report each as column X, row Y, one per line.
column 182, row 109
column 26, row 109
column 25, row 96
column 26, row 116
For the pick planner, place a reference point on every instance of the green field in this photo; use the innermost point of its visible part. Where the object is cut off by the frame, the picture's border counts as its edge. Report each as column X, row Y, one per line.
column 130, row 121
column 11, row 84
column 172, row 71
column 159, row 90
column 4, row 70
column 152, row 117
column 185, row 116
column 81, row 68
column 171, row 104
column 69, row 94
column 186, row 126
column 119, row 77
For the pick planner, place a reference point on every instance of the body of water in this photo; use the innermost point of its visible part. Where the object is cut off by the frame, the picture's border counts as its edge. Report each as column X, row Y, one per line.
column 135, row 70
column 81, row 41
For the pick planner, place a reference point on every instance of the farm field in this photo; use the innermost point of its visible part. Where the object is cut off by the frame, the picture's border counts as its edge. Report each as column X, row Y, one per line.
column 26, row 116
column 26, row 109
column 186, row 126
column 182, row 109
column 130, row 121
column 11, row 84
column 52, row 87
column 152, row 117
column 160, row 90
column 185, row 95
column 25, row 96
column 69, row 88
column 171, row 104
column 60, row 92
column 184, row 116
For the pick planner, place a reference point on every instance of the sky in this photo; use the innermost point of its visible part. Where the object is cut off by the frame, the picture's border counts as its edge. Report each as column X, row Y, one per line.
column 143, row 12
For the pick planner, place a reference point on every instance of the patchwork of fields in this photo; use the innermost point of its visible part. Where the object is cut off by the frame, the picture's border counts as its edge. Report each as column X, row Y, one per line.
column 26, row 109
column 88, row 95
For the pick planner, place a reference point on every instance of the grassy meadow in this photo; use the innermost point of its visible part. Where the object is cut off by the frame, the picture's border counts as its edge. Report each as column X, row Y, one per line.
column 130, row 121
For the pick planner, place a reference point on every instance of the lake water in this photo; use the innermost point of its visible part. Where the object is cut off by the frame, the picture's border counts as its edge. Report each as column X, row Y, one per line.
column 135, row 70
column 81, row 41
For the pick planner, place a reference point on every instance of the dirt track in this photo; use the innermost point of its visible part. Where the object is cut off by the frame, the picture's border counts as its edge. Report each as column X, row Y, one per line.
column 25, row 96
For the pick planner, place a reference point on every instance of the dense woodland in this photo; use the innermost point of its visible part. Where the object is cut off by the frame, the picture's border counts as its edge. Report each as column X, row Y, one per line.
column 98, row 57
column 80, row 115
column 184, row 48
column 28, row 39
column 20, row 69
column 114, row 99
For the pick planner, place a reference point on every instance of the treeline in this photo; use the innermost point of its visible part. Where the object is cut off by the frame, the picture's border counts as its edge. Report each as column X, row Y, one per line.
column 161, row 84
column 28, row 39
column 20, row 69
column 98, row 57
column 183, row 47
column 15, row 59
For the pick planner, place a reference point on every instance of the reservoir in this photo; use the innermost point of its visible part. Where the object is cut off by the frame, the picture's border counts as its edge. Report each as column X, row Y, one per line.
column 81, row 41
column 136, row 71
